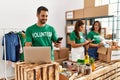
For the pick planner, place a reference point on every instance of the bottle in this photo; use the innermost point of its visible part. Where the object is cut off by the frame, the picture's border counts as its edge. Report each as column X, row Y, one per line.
column 93, row 66
column 92, row 62
column 80, row 64
column 87, row 59
column 88, row 69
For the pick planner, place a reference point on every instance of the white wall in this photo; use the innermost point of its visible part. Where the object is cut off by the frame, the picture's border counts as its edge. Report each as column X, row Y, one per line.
column 21, row 14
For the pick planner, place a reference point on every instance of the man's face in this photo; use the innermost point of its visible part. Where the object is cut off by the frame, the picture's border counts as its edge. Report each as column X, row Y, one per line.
column 42, row 17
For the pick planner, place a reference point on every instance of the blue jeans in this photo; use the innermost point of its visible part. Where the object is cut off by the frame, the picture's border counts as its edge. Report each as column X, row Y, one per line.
column 92, row 52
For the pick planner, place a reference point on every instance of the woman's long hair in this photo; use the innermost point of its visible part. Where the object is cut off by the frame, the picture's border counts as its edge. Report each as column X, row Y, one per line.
column 77, row 25
column 94, row 26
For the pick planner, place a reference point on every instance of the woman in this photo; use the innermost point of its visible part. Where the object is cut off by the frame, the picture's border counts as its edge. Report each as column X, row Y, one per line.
column 78, row 41
column 94, row 36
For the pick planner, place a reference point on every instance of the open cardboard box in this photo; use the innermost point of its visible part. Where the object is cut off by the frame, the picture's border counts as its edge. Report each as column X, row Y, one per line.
column 61, row 55
column 108, row 54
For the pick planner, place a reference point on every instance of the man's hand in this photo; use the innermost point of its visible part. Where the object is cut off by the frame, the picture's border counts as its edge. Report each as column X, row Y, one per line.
column 57, row 44
column 28, row 44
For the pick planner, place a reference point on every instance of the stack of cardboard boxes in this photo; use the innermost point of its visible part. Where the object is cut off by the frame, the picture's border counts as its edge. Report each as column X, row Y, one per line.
column 89, row 10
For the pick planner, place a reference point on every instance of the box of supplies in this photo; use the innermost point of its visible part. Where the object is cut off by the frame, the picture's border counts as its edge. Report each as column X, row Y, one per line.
column 108, row 54
column 70, row 15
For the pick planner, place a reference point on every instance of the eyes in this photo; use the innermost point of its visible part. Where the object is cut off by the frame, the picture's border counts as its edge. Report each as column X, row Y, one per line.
column 44, row 15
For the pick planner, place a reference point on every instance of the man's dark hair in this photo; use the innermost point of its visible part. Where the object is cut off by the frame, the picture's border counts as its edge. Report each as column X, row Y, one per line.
column 41, row 8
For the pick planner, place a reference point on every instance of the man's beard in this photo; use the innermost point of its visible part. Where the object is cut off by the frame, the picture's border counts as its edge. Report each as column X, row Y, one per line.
column 43, row 21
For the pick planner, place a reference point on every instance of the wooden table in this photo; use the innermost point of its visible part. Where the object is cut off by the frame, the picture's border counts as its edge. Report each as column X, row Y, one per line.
column 104, row 71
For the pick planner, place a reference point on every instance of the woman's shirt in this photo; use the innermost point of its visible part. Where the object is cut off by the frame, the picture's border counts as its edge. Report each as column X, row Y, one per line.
column 73, row 37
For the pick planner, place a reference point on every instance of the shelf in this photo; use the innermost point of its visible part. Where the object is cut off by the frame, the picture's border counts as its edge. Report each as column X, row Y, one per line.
column 75, row 19
column 89, row 21
column 90, row 18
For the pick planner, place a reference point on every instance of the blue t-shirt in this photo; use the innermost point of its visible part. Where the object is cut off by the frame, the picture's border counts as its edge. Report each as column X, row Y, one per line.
column 12, row 47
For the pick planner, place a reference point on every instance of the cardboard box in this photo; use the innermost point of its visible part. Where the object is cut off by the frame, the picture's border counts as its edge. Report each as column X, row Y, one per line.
column 78, row 13
column 104, row 54
column 56, row 54
column 60, row 61
column 115, row 55
column 61, row 55
column 70, row 15
column 109, row 36
column 64, row 53
column 96, row 11
column 89, row 3
column 70, row 28
column 108, row 54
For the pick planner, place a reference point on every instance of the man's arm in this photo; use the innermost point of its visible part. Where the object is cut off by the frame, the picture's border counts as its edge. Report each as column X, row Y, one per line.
column 55, row 38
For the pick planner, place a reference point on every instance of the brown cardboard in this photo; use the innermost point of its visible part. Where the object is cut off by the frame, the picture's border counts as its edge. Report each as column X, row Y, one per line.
column 110, row 54
column 109, row 36
column 104, row 54
column 89, row 3
column 115, row 43
column 56, row 54
column 64, row 53
column 102, row 50
column 96, row 11
column 61, row 55
column 78, row 14
column 60, row 61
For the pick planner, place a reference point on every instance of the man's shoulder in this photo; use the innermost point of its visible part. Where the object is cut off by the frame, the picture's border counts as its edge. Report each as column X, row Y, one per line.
column 32, row 26
column 49, row 26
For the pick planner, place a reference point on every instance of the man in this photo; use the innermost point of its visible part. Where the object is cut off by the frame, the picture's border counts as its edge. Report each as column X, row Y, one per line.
column 42, row 34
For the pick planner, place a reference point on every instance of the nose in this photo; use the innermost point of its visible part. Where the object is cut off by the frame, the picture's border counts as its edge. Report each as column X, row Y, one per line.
column 45, row 17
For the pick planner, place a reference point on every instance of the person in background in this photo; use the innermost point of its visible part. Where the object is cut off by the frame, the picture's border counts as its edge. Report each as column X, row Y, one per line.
column 94, row 36
column 78, row 42
column 40, row 33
